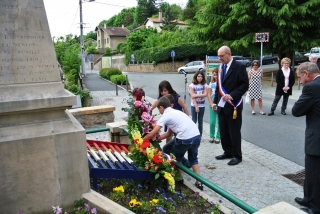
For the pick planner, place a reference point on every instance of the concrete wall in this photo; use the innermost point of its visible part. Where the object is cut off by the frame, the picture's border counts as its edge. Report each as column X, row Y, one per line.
column 95, row 116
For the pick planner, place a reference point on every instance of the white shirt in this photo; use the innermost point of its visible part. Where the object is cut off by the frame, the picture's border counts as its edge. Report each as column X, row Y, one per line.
column 199, row 89
column 179, row 123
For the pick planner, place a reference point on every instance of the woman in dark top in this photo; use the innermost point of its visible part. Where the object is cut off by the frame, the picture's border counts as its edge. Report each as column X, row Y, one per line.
column 285, row 80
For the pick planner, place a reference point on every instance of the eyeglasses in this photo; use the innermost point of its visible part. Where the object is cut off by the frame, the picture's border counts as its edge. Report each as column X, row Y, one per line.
column 221, row 56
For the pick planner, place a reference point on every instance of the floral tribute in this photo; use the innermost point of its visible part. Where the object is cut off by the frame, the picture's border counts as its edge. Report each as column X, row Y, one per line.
column 147, row 154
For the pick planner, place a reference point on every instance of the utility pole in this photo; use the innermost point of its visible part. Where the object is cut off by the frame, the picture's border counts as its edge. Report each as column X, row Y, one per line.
column 83, row 69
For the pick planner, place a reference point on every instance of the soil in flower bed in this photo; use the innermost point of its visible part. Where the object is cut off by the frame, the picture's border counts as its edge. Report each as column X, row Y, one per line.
column 145, row 196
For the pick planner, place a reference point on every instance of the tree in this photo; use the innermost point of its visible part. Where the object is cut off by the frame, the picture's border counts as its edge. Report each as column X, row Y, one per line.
column 290, row 24
column 137, row 38
column 168, row 17
column 91, row 35
column 144, row 10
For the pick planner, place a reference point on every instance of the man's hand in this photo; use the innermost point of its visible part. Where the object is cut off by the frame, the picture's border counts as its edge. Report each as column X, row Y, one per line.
column 227, row 97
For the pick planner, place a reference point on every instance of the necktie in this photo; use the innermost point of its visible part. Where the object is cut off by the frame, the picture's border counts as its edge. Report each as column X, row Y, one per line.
column 224, row 71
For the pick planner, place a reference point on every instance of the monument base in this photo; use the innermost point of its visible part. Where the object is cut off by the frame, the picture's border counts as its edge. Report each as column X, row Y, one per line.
column 42, row 165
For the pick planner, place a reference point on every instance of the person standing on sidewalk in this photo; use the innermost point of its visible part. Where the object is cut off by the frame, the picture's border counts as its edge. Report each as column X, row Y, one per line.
column 214, row 121
column 255, row 86
column 285, row 80
column 198, row 93
column 308, row 105
column 233, row 83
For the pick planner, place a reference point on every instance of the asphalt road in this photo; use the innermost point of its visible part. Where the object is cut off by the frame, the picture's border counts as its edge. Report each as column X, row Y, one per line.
column 279, row 134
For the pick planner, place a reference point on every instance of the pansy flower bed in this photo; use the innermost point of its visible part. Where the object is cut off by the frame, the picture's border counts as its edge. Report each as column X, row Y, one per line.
column 145, row 196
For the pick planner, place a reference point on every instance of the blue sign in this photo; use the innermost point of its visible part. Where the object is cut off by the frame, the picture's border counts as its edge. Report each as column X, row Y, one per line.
column 173, row 54
column 212, row 57
column 132, row 58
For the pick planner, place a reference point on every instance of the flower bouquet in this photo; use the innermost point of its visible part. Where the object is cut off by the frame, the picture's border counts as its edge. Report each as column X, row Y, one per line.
column 147, row 154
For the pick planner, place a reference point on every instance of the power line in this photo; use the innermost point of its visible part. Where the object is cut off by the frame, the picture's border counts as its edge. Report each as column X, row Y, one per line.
column 115, row 5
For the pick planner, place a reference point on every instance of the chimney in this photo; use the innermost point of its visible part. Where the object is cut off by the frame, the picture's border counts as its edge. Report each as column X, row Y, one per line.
column 105, row 26
column 160, row 15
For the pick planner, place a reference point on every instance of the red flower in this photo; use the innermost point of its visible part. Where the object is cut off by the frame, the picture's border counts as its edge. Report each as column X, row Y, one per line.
column 157, row 158
column 145, row 144
column 136, row 141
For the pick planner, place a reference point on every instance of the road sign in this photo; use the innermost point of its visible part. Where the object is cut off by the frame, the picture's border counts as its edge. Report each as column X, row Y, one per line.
column 132, row 58
column 262, row 37
column 173, row 54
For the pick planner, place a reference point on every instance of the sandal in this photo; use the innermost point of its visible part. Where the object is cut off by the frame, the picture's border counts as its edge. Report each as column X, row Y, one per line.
column 199, row 186
column 211, row 141
column 253, row 113
column 262, row 113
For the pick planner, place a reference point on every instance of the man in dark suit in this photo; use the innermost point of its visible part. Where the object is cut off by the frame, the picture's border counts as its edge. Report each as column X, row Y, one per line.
column 232, row 84
column 308, row 104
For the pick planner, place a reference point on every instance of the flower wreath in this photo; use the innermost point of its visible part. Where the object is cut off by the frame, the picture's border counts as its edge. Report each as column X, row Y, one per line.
column 147, row 154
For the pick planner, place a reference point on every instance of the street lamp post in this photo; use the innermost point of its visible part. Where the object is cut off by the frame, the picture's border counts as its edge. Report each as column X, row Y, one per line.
column 83, row 68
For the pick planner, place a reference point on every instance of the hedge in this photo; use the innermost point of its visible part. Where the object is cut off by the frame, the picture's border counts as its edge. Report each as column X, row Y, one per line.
column 121, row 79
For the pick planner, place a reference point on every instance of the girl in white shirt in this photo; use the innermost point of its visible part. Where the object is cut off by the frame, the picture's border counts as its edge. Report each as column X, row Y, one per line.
column 198, row 93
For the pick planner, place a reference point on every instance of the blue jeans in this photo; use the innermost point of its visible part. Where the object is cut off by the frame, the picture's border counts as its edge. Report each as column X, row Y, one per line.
column 198, row 116
column 191, row 146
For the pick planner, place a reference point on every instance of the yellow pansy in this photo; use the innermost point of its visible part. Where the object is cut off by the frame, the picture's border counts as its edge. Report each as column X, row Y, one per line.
column 118, row 189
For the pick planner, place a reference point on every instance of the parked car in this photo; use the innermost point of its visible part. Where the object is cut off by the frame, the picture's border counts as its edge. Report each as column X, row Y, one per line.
column 299, row 58
column 315, row 50
column 243, row 60
column 269, row 59
column 192, row 67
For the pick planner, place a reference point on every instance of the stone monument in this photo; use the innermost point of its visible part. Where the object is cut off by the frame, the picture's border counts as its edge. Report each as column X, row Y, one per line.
column 43, row 160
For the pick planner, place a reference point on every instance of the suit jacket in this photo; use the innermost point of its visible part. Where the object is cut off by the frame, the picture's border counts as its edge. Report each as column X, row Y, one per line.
column 236, row 83
column 309, row 104
column 280, row 82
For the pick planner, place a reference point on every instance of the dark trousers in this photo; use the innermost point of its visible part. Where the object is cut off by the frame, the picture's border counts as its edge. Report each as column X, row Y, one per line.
column 230, row 133
column 312, row 183
column 284, row 102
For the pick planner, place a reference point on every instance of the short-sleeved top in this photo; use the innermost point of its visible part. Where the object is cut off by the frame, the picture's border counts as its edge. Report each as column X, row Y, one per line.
column 213, row 86
column 179, row 123
column 198, row 89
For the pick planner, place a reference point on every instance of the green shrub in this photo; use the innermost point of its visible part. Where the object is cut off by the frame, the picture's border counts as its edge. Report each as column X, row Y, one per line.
column 107, row 52
column 113, row 71
column 121, row 79
column 76, row 90
column 103, row 72
column 72, row 77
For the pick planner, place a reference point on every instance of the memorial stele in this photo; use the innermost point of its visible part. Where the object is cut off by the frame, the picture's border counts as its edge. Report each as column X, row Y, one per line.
column 43, row 161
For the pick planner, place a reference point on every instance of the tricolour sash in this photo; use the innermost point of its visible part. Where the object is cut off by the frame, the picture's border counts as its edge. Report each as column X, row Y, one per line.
column 223, row 92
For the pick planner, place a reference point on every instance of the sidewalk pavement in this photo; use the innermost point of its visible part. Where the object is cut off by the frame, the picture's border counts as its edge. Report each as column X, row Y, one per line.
column 257, row 181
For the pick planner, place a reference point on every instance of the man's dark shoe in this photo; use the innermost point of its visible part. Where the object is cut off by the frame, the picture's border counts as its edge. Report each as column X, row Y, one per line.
column 223, row 156
column 301, row 202
column 283, row 112
column 271, row 113
column 307, row 210
column 234, row 161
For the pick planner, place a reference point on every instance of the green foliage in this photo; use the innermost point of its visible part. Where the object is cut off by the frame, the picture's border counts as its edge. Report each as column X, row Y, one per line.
column 92, row 50
column 121, row 79
column 72, row 77
column 113, row 71
column 107, row 52
column 108, row 72
column 162, row 54
column 137, row 38
column 76, row 90
column 91, row 35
